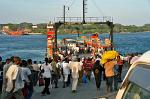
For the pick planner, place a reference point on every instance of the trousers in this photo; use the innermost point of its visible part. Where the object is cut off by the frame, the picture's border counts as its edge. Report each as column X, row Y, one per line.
column 74, row 83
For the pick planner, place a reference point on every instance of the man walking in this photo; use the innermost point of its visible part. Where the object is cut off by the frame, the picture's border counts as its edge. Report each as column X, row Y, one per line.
column 14, row 81
column 75, row 67
column 9, row 62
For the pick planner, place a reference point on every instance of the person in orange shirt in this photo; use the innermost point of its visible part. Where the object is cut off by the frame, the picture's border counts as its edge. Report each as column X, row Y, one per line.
column 109, row 72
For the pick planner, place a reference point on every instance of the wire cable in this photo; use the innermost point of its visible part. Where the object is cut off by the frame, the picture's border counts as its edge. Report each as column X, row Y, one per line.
column 72, row 3
column 66, row 2
column 99, row 10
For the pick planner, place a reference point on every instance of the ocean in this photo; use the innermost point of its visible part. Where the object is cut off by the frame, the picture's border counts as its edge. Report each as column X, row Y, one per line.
column 34, row 46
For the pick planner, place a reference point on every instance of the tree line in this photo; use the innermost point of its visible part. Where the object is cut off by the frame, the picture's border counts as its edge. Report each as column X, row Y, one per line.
column 86, row 28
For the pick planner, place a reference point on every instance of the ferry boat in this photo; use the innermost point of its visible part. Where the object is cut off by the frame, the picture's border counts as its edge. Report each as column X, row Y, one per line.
column 7, row 31
column 15, row 33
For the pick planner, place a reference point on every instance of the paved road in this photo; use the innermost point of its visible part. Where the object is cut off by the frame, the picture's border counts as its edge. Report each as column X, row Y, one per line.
column 84, row 91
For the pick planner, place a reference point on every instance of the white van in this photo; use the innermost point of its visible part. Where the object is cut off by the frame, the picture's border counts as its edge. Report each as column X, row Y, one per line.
column 136, row 84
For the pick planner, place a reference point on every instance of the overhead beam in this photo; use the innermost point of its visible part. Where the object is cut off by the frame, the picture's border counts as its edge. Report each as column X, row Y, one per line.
column 110, row 24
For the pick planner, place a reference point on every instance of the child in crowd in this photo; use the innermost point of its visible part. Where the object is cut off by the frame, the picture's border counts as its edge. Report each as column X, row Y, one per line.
column 84, row 78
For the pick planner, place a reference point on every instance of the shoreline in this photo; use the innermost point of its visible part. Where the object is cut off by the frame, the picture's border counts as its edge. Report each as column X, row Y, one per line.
column 2, row 33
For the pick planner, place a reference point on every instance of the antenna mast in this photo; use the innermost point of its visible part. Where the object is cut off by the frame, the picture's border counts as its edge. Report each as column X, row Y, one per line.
column 84, row 10
column 64, row 13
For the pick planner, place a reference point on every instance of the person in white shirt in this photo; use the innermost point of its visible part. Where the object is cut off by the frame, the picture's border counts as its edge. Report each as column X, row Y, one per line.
column 58, row 64
column 26, row 71
column 75, row 67
column 59, row 67
column 46, row 72
column 65, row 72
column 28, row 86
column 5, row 68
column 14, row 81
column 36, row 70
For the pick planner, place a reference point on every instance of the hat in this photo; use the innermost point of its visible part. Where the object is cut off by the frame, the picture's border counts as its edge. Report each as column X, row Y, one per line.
column 74, row 58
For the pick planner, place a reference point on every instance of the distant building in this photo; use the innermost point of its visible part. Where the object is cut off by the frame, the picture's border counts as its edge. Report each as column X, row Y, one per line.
column 34, row 27
column 5, row 29
column 50, row 27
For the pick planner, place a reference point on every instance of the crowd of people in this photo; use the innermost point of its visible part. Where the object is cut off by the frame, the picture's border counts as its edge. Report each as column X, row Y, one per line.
column 18, row 77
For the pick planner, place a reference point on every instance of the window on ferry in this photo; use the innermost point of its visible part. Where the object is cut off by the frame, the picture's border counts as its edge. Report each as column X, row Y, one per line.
column 135, row 92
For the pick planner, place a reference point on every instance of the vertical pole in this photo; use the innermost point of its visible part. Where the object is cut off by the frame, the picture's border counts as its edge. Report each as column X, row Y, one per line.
column 111, row 35
column 64, row 14
column 83, row 11
column 78, row 32
column 46, row 54
column 56, row 28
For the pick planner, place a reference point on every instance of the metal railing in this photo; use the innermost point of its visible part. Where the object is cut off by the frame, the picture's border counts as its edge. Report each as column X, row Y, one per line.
column 87, row 19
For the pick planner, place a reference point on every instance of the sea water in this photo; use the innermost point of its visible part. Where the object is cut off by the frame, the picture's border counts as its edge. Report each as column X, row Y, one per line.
column 34, row 46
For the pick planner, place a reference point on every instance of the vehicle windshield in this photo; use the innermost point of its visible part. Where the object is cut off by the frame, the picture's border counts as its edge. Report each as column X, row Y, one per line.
column 140, row 76
column 135, row 92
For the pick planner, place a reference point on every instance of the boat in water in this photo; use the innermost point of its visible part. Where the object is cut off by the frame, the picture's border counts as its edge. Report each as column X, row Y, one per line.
column 15, row 32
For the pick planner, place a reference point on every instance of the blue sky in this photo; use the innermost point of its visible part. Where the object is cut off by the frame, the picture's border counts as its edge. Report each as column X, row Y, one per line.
column 127, row 12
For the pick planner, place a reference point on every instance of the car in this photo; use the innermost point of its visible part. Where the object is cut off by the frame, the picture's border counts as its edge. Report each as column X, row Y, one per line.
column 136, row 84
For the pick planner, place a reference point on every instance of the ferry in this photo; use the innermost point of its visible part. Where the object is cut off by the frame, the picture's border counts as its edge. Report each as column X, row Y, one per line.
column 17, row 32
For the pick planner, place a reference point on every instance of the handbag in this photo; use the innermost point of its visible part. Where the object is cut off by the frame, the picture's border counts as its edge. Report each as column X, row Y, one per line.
column 41, row 81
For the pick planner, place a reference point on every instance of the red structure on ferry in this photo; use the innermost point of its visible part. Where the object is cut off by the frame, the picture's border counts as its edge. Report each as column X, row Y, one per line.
column 50, row 39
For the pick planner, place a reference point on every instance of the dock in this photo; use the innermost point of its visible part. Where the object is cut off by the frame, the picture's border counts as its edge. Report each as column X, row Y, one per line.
column 84, row 91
